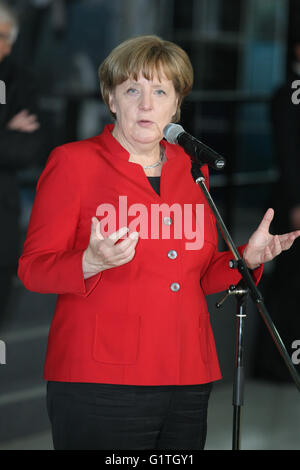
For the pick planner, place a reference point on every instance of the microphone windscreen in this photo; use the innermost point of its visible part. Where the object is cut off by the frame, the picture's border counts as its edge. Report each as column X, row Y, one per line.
column 171, row 132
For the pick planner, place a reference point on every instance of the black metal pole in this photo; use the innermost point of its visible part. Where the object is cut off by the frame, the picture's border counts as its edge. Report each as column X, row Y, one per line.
column 242, row 294
column 238, row 386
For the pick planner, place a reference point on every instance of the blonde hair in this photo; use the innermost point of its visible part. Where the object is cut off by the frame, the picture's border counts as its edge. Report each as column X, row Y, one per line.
column 147, row 55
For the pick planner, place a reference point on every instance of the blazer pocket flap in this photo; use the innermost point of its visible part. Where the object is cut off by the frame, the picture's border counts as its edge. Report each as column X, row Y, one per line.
column 116, row 338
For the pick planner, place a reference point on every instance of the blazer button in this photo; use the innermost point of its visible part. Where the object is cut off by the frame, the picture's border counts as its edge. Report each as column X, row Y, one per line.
column 167, row 220
column 172, row 254
column 175, row 287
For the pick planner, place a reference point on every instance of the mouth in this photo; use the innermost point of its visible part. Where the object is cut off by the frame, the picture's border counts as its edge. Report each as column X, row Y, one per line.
column 145, row 123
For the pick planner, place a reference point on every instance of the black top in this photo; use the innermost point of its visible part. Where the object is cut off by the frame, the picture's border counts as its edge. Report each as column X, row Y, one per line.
column 155, row 183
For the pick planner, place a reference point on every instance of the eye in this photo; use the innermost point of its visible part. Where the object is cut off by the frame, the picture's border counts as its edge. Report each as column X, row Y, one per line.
column 132, row 91
column 160, row 92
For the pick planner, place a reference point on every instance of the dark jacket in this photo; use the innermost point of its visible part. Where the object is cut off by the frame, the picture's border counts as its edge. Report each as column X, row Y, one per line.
column 285, row 117
column 282, row 285
column 18, row 151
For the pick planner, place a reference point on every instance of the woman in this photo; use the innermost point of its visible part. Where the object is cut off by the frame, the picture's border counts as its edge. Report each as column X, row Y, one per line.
column 131, row 355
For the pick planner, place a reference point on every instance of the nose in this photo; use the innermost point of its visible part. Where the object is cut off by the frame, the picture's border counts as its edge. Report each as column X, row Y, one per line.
column 146, row 100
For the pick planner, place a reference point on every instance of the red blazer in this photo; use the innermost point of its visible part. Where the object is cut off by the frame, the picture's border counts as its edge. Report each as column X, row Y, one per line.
column 145, row 322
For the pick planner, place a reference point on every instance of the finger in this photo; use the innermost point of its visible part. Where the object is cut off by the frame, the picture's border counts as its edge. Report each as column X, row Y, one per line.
column 30, row 128
column 128, row 257
column 32, row 117
column 115, row 236
column 31, row 120
column 96, row 229
column 130, row 251
column 268, row 255
column 130, row 240
column 266, row 220
column 294, row 234
column 22, row 120
column 19, row 120
column 134, row 236
column 35, row 126
column 123, row 256
column 277, row 246
column 116, row 257
column 287, row 239
column 25, row 116
column 22, row 113
column 128, row 243
column 123, row 249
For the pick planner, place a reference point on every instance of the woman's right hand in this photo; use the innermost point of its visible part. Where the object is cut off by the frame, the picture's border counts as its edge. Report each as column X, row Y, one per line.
column 105, row 253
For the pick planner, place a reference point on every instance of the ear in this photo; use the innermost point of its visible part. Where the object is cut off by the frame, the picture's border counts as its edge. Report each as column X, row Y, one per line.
column 175, row 109
column 176, row 104
column 111, row 100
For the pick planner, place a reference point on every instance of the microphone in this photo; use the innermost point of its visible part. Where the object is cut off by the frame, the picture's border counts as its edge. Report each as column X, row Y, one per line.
column 201, row 153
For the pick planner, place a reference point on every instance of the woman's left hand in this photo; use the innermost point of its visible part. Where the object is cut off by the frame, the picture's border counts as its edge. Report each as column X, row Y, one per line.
column 263, row 247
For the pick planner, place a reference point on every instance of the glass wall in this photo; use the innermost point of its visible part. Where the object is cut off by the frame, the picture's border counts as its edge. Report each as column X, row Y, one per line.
column 238, row 50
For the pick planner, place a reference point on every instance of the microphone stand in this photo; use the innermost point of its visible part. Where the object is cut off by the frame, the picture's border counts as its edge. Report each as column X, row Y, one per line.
column 245, row 287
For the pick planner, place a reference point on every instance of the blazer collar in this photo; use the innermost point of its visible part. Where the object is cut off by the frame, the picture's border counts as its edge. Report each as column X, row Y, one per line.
column 112, row 145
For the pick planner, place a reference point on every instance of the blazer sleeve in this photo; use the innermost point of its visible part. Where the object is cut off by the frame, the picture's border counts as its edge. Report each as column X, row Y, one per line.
column 49, row 263
column 219, row 275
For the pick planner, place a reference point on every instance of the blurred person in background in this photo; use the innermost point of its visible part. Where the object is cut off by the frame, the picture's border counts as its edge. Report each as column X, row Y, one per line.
column 20, row 142
column 282, row 287
column 131, row 356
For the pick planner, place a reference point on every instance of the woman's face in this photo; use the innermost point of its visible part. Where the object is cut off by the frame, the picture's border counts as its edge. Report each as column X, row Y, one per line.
column 143, row 108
